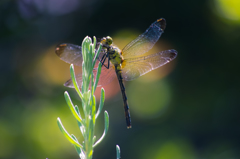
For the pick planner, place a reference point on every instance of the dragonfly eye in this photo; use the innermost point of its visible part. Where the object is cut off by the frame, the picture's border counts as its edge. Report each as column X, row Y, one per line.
column 103, row 40
column 109, row 40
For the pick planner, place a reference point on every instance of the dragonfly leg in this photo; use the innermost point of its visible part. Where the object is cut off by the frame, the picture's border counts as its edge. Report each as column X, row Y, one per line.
column 105, row 56
column 108, row 61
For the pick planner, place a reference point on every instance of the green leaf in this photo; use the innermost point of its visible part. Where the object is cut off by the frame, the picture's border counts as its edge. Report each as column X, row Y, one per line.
column 89, row 60
column 90, row 135
column 77, row 110
column 94, row 42
column 80, row 124
column 74, row 81
column 93, row 109
column 101, row 102
column 105, row 129
column 72, row 107
column 118, row 151
column 78, row 149
column 66, row 134
column 97, row 54
column 94, row 139
column 85, row 48
column 97, row 77
column 92, row 83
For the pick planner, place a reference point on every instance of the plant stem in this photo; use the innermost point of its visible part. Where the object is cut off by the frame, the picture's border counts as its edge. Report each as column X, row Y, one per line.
column 88, row 87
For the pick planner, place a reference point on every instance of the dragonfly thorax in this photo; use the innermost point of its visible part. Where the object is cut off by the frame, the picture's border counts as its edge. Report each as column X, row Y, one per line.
column 115, row 56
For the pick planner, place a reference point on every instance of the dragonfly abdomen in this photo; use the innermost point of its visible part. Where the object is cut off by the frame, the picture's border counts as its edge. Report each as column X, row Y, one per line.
column 124, row 96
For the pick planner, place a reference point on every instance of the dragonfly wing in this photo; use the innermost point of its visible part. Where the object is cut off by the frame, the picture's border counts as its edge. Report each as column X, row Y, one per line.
column 72, row 54
column 145, row 41
column 107, row 76
column 133, row 68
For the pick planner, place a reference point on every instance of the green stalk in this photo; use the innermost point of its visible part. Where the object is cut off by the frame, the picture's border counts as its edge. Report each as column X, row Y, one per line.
column 86, row 93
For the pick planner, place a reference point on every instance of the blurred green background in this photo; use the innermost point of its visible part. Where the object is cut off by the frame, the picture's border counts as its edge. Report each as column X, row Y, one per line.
column 188, row 109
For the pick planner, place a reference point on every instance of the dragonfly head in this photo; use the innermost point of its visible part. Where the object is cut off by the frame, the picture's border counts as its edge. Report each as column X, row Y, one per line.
column 107, row 41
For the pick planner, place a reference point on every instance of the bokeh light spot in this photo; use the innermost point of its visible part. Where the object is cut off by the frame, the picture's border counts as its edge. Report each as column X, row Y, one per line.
column 148, row 99
column 229, row 9
column 175, row 149
column 30, row 8
column 41, row 126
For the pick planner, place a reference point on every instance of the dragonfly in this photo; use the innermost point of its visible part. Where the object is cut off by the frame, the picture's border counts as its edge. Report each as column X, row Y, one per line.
column 127, row 64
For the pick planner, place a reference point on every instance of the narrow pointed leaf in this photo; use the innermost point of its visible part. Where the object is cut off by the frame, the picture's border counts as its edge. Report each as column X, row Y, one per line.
column 97, row 54
column 92, row 83
column 94, row 139
column 97, row 77
column 105, row 129
column 118, row 151
column 101, row 102
column 66, row 134
column 94, row 42
column 72, row 107
column 74, row 81
column 80, row 124
column 78, row 149
column 94, row 110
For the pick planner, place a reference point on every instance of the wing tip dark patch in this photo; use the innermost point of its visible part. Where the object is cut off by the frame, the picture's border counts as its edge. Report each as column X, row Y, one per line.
column 59, row 49
column 173, row 54
column 68, row 83
column 162, row 23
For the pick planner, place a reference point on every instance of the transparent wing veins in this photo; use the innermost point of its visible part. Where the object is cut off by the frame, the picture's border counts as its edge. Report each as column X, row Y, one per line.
column 144, row 42
column 136, row 67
